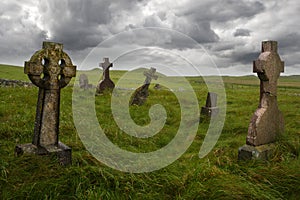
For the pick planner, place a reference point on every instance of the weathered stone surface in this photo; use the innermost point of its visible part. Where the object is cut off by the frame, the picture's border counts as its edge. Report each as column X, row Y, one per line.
column 210, row 109
column 63, row 152
column 267, row 122
column 106, row 82
column 141, row 94
column 262, row 152
column 50, row 69
column 84, row 82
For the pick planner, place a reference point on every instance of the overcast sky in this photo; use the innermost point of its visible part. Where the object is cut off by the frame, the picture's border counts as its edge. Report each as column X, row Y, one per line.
column 227, row 31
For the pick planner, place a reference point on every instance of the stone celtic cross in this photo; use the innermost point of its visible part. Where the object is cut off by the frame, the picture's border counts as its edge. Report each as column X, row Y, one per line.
column 141, row 94
column 106, row 82
column 50, row 69
column 267, row 121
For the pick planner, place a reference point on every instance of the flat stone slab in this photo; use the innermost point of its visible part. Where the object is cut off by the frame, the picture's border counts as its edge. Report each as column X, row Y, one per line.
column 209, row 112
column 210, row 109
column 62, row 151
column 262, row 152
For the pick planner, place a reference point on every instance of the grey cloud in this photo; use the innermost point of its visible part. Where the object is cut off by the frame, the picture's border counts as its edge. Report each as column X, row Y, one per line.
column 200, row 32
column 221, row 26
column 153, row 21
column 162, row 15
column 78, row 24
column 81, row 24
column 245, row 57
column 241, row 33
column 19, row 36
column 221, row 11
column 289, row 42
column 222, row 46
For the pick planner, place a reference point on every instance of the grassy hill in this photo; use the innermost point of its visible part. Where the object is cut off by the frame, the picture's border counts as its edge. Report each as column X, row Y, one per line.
column 17, row 73
column 12, row 73
column 219, row 175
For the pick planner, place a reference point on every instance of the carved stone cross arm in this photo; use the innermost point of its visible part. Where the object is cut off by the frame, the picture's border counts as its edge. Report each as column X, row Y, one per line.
column 150, row 75
column 106, row 64
column 268, row 67
column 50, row 67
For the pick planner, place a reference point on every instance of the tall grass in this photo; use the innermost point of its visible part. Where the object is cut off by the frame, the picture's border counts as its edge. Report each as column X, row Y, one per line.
column 219, row 175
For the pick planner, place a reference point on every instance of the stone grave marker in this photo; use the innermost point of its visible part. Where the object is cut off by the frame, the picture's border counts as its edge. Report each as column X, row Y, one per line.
column 267, row 121
column 84, row 82
column 50, row 69
column 106, row 82
column 141, row 94
column 210, row 109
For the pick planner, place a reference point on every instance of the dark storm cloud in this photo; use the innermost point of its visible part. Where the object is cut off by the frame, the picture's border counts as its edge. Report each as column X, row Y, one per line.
column 245, row 57
column 81, row 24
column 289, row 42
column 19, row 36
column 221, row 11
column 230, row 30
column 201, row 32
column 77, row 23
column 241, row 33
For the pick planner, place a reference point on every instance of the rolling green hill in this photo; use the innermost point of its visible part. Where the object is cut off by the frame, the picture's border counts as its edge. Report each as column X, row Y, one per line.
column 16, row 73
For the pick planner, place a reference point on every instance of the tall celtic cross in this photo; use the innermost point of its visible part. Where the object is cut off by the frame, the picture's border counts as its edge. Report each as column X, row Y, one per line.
column 267, row 122
column 50, row 69
column 106, row 82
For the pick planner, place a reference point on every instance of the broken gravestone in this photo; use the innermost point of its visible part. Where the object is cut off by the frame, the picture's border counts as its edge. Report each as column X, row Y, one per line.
column 84, row 82
column 267, row 121
column 210, row 109
column 50, row 69
column 141, row 94
column 106, row 82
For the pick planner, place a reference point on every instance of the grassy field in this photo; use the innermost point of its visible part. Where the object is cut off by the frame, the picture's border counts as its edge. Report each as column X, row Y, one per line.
column 219, row 175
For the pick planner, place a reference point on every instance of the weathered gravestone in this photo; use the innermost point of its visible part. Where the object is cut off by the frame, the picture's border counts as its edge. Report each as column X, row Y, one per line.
column 267, row 122
column 141, row 94
column 50, row 69
column 106, row 82
column 84, row 82
column 210, row 109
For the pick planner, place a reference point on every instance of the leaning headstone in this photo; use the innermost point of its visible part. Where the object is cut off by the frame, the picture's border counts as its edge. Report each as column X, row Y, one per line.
column 50, row 69
column 267, row 121
column 84, row 82
column 210, row 109
column 106, row 82
column 141, row 94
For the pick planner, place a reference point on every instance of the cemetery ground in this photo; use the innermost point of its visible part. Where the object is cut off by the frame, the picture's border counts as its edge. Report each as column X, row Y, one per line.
column 219, row 175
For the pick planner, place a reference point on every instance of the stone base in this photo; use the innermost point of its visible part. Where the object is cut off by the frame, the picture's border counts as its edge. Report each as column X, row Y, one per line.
column 63, row 152
column 209, row 111
column 262, row 152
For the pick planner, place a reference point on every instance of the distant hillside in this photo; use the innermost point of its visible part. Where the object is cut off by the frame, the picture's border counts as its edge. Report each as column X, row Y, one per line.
column 17, row 73
column 12, row 72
